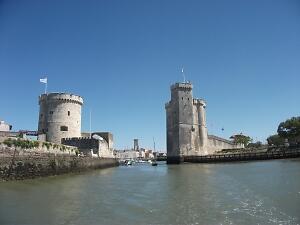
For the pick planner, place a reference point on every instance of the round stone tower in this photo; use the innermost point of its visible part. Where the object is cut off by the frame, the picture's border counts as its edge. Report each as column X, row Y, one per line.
column 59, row 117
column 202, row 122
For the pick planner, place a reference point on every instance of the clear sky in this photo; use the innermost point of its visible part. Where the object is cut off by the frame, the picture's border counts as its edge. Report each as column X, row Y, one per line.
column 121, row 56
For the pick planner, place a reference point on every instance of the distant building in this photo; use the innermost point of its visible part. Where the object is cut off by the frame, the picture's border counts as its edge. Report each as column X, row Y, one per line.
column 4, row 126
column 127, row 154
column 186, row 126
column 136, row 144
column 142, row 154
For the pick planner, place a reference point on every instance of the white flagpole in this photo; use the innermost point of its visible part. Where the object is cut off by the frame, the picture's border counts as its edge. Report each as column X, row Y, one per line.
column 182, row 71
column 46, row 85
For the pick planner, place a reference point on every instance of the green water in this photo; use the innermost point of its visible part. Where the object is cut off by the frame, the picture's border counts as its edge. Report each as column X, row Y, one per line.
column 262, row 192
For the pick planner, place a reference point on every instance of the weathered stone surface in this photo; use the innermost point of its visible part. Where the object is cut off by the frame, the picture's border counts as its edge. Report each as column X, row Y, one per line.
column 34, row 164
column 59, row 117
column 186, row 126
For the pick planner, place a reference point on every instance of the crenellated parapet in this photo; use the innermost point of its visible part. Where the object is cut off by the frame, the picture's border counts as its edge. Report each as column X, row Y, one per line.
column 199, row 102
column 167, row 105
column 62, row 97
column 186, row 126
column 182, row 86
column 59, row 116
column 76, row 138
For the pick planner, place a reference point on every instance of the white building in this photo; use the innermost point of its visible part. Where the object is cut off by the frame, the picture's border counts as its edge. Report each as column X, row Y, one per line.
column 4, row 126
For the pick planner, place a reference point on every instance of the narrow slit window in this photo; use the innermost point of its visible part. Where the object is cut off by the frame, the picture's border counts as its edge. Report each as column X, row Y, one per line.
column 69, row 113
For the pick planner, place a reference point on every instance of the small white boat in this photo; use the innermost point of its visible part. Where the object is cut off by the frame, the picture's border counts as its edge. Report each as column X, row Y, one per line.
column 153, row 163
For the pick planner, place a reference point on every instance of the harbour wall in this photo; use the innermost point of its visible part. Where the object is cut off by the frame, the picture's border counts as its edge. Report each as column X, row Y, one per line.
column 16, row 164
column 281, row 154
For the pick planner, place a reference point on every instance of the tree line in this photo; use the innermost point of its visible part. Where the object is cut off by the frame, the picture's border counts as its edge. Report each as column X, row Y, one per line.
column 288, row 133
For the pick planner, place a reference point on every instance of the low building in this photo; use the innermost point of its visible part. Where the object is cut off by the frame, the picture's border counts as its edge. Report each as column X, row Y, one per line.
column 97, row 144
column 127, row 154
column 4, row 126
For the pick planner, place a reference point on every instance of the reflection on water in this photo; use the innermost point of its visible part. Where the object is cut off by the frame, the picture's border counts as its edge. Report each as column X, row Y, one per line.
column 266, row 192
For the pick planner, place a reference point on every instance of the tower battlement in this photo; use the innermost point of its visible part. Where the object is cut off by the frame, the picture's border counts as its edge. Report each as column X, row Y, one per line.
column 182, row 86
column 200, row 102
column 64, row 97
column 186, row 126
column 60, row 116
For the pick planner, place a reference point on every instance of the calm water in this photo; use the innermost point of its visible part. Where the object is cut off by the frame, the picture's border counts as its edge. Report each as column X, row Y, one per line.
column 266, row 192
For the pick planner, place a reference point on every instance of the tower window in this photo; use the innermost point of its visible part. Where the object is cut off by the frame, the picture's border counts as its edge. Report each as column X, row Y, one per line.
column 69, row 113
column 51, row 112
column 182, row 98
column 63, row 128
column 41, row 115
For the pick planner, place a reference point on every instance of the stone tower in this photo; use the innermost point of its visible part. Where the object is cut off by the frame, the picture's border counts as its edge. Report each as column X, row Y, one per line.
column 186, row 123
column 59, row 117
column 179, row 121
column 200, row 121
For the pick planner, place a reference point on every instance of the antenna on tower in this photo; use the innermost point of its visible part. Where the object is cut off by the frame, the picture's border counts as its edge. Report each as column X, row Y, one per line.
column 182, row 71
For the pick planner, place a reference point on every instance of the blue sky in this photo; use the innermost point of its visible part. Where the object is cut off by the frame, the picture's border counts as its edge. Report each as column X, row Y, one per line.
column 243, row 57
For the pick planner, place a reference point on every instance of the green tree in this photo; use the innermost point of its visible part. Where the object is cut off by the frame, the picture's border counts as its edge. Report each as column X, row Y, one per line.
column 275, row 140
column 241, row 139
column 289, row 129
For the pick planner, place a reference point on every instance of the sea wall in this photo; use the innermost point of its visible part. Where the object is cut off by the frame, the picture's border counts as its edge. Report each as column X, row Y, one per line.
column 245, row 156
column 16, row 164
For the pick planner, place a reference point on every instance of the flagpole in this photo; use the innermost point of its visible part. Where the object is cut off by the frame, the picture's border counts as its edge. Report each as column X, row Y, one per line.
column 46, row 85
column 182, row 71
column 45, row 81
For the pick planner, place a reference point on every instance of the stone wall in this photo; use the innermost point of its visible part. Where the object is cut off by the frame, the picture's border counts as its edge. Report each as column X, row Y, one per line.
column 86, row 145
column 217, row 144
column 59, row 116
column 187, row 133
column 17, row 165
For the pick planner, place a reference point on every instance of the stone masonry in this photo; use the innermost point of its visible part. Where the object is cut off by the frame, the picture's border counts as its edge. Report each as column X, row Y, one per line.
column 18, row 164
column 186, row 126
column 59, row 117
column 102, row 148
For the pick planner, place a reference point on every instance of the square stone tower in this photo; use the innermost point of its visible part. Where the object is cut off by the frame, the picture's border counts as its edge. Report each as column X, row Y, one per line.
column 186, row 126
column 184, row 123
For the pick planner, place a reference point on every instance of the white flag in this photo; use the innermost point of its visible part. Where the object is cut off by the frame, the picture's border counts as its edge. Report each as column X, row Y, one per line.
column 44, row 80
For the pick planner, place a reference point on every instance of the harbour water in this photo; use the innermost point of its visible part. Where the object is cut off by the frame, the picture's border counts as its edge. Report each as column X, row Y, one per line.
column 260, row 192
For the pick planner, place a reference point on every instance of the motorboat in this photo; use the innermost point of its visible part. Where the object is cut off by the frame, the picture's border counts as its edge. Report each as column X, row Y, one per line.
column 153, row 163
